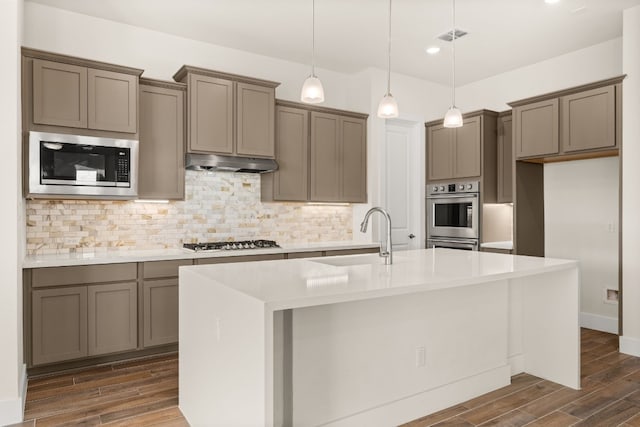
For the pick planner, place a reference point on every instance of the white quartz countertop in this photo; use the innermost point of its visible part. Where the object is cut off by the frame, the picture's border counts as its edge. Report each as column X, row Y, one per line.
column 296, row 283
column 112, row 257
column 506, row 245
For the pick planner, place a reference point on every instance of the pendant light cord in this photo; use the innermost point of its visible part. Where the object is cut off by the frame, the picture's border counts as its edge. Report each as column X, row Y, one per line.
column 453, row 54
column 313, row 38
column 389, row 54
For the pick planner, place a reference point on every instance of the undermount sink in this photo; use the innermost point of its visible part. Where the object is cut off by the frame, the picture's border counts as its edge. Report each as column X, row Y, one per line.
column 346, row 261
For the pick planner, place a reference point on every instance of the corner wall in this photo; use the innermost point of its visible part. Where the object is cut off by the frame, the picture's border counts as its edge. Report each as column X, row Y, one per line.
column 12, row 370
column 630, row 340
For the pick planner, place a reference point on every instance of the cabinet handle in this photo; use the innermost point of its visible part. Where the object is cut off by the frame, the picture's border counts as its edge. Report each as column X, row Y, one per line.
column 412, row 236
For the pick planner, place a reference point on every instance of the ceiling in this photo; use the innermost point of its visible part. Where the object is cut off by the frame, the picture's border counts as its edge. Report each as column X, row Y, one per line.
column 351, row 35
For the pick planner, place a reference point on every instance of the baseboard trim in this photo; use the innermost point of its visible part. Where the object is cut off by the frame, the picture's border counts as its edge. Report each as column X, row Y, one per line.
column 599, row 323
column 12, row 411
column 427, row 402
column 630, row 346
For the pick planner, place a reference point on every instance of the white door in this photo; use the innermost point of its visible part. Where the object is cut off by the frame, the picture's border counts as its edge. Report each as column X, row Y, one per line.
column 401, row 183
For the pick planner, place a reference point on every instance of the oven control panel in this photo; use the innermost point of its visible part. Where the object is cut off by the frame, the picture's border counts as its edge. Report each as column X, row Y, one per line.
column 457, row 187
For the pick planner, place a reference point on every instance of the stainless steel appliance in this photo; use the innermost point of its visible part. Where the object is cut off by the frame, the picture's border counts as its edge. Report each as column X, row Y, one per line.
column 453, row 215
column 466, row 244
column 74, row 165
column 225, row 246
column 216, row 162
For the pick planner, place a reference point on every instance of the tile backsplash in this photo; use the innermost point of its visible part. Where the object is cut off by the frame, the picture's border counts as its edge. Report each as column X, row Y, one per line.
column 217, row 206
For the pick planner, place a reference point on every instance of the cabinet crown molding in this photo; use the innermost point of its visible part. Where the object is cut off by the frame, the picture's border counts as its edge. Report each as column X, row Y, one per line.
column 328, row 110
column 82, row 62
column 568, row 91
column 162, row 83
column 466, row 116
column 186, row 69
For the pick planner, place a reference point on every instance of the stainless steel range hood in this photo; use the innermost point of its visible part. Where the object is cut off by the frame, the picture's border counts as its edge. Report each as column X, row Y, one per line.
column 214, row 162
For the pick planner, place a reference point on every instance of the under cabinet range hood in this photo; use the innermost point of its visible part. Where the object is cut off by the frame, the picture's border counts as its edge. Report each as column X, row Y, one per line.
column 215, row 162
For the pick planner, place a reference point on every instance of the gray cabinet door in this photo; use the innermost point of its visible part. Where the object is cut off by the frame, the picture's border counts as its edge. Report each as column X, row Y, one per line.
column 59, row 324
column 505, row 160
column 112, row 318
column 325, row 152
column 210, row 115
column 466, row 155
column 440, row 153
column 59, row 94
column 353, row 160
column 536, row 128
column 291, row 180
column 112, row 101
column 160, row 312
column 589, row 119
column 161, row 156
column 255, row 120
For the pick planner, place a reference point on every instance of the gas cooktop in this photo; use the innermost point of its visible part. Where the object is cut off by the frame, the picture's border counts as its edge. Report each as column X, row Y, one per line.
column 224, row 246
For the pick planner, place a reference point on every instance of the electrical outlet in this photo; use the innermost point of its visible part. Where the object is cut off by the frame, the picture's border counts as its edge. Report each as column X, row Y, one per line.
column 421, row 356
column 611, row 296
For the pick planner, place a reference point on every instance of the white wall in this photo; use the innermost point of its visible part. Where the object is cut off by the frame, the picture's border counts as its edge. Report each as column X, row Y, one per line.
column 11, row 366
column 630, row 340
column 581, row 222
column 161, row 54
column 587, row 65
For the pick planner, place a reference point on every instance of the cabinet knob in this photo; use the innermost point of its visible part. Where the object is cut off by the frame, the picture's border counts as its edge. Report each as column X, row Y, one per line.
column 411, row 236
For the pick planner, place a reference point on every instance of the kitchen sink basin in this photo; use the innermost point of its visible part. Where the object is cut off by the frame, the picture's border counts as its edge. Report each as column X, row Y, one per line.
column 346, row 261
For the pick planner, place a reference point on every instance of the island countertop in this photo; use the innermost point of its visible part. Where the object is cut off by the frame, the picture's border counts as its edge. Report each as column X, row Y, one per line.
column 308, row 282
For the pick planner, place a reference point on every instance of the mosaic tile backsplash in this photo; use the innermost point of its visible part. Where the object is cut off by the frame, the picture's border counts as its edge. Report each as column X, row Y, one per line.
column 217, row 206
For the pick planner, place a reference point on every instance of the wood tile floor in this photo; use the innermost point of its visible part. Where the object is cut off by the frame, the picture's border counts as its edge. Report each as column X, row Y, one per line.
column 145, row 393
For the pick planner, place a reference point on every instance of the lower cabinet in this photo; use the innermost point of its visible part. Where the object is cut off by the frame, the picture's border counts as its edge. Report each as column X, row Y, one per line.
column 74, row 322
column 112, row 318
column 160, row 312
column 59, row 323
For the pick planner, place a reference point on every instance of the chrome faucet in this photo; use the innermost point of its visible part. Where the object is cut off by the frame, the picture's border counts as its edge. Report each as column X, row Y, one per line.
column 387, row 252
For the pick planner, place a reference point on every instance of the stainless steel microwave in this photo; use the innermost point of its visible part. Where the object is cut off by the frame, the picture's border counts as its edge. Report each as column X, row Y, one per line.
column 74, row 165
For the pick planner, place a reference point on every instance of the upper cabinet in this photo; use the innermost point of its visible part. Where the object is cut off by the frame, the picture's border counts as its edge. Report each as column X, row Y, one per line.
column 464, row 152
column 505, row 158
column 321, row 155
column 229, row 114
column 62, row 91
column 162, row 134
column 579, row 122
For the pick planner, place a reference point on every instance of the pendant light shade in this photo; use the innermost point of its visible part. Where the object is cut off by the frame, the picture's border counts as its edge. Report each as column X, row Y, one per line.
column 388, row 107
column 312, row 90
column 453, row 117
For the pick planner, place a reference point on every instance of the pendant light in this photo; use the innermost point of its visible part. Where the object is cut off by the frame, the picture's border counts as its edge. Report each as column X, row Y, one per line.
column 312, row 90
column 388, row 107
column 453, row 118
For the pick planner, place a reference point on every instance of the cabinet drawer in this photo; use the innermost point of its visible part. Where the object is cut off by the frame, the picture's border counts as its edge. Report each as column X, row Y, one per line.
column 352, row 251
column 297, row 255
column 242, row 258
column 83, row 274
column 157, row 269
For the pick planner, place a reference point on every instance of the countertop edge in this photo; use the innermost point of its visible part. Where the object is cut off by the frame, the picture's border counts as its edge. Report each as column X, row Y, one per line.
column 67, row 260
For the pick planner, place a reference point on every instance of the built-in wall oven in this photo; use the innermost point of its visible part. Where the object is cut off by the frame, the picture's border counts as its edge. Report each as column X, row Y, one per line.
column 453, row 215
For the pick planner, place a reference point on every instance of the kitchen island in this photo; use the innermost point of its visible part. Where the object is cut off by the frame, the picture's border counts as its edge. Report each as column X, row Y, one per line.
column 349, row 341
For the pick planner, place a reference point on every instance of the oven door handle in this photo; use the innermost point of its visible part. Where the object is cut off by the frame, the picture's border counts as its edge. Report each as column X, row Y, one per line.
column 454, row 196
column 459, row 242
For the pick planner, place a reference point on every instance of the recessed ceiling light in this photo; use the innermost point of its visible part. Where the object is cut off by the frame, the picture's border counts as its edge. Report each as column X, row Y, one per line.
column 432, row 50
column 551, row 1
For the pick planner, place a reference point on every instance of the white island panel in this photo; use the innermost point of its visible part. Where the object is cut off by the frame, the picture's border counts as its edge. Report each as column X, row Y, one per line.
column 347, row 330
